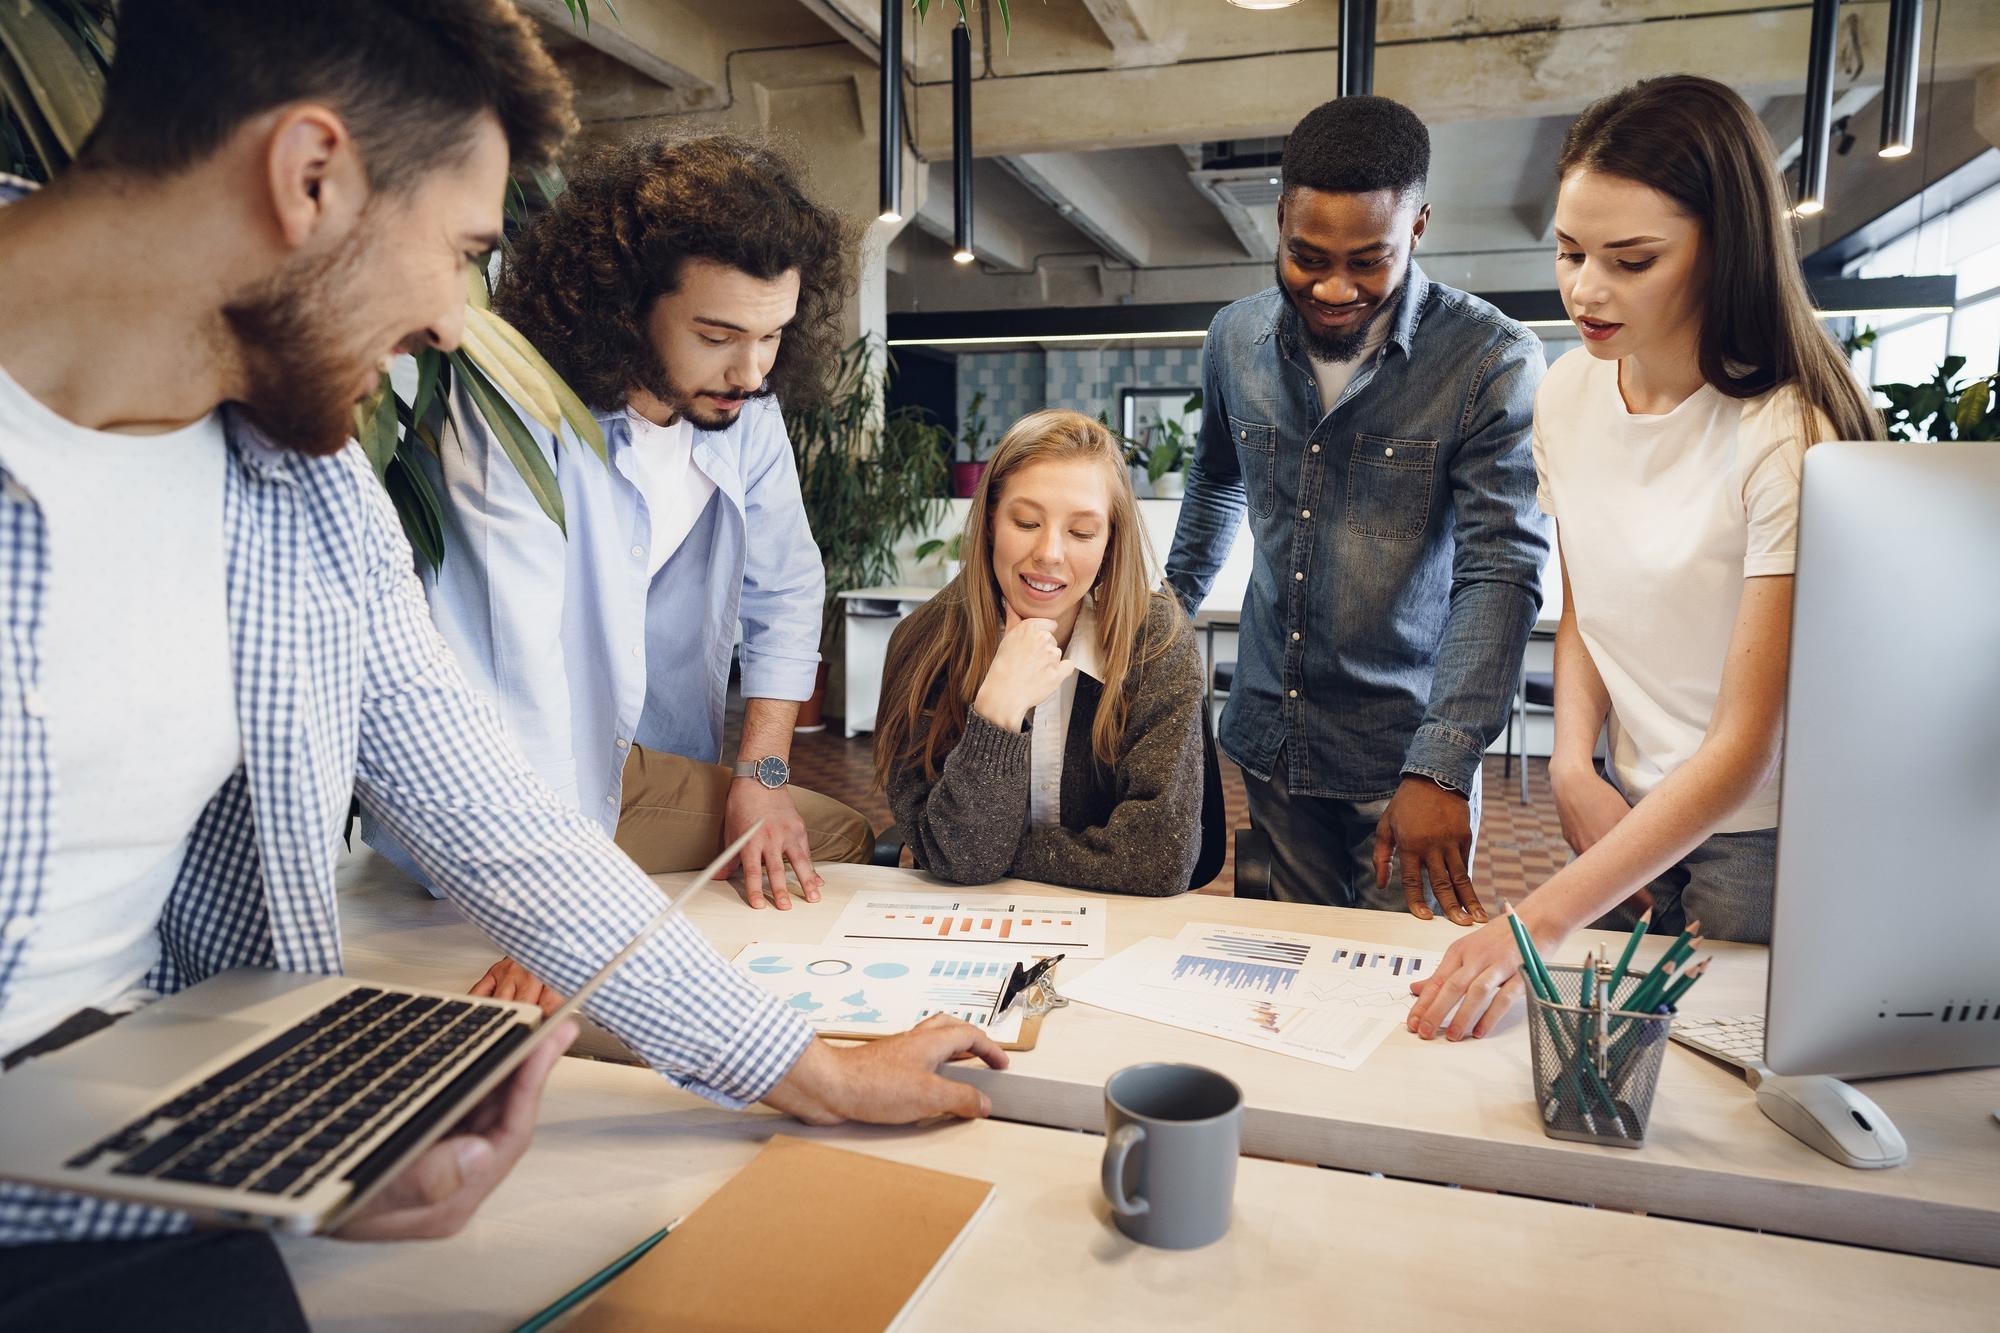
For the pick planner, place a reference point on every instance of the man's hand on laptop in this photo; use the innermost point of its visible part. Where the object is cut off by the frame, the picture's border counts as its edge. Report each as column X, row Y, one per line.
column 891, row 1081
column 437, row 1193
column 508, row 980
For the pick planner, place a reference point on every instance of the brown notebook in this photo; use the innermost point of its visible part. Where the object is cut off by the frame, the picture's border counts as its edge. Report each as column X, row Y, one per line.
column 805, row 1237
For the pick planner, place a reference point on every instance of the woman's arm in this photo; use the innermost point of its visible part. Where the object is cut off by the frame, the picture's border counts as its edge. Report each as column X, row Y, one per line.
column 1588, row 805
column 966, row 826
column 1735, row 758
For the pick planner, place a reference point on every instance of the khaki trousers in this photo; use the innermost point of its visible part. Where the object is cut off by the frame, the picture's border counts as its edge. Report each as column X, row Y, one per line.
column 670, row 817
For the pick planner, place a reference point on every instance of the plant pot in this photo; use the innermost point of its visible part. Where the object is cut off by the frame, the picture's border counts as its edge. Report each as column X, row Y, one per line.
column 1141, row 487
column 812, row 713
column 965, row 478
column 1170, row 486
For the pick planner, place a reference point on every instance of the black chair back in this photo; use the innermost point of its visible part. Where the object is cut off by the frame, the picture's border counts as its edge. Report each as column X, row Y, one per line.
column 1214, row 820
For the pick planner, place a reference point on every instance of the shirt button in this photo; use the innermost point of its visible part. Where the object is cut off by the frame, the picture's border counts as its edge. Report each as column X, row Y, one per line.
column 638, row 553
column 1299, row 576
column 1293, row 693
column 1388, row 453
column 1296, row 636
column 1305, row 513
column 17, row 928
column 638, row 650
column 624, row 744
column 611, row 800
column 1243, row 435
column 1315, row 448
column 34, row 705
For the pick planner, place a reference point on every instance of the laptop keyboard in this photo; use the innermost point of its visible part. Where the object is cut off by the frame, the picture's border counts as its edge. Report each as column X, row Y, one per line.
column 276, row 1120
column 1738, row 1040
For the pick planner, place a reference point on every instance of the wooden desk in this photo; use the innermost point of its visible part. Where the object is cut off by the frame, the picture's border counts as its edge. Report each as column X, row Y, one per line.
column 618, row 1152
column 1428, row 1111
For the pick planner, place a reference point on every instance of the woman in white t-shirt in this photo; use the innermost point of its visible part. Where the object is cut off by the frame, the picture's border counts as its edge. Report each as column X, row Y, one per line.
column 1669, row 449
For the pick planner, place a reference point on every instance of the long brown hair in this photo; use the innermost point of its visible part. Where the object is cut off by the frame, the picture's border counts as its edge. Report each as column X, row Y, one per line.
column 1697, row 143
column 951, row 641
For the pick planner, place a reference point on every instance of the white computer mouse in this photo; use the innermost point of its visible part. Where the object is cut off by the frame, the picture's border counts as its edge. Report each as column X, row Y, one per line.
column 1833, row 1118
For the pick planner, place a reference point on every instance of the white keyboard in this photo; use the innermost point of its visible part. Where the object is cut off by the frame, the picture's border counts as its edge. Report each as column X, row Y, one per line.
column 1737, row 1040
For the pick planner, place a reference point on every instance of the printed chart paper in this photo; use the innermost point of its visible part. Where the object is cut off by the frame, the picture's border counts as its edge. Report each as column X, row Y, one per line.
column 1328, row 1000
column 878, row 992
column 1072, row 926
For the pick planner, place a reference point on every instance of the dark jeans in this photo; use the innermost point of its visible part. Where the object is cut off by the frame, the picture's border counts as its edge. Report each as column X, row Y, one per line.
column 200, row 1282
column 1323, row 850
column 1727, row 884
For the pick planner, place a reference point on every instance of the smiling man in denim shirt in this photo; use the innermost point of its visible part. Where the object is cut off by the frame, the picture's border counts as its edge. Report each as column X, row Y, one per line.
column 1376, row 425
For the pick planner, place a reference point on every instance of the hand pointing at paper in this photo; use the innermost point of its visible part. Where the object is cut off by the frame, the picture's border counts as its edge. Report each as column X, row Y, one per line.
column 891, row 1081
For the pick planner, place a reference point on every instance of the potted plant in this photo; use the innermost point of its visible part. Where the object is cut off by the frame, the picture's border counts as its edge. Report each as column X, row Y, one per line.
column 1167, row 459
column 977, row 445
column 869, row 479
column 1943, row 409
column 948, row 548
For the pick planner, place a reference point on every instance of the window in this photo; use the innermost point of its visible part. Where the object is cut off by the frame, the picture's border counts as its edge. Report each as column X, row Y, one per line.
column 1965, row 241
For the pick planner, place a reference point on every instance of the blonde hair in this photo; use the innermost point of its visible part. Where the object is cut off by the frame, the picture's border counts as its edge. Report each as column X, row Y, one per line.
column 939, row 669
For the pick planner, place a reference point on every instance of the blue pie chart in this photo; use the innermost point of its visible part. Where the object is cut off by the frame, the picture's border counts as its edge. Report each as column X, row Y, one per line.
column 886, row 970
column 770, row 963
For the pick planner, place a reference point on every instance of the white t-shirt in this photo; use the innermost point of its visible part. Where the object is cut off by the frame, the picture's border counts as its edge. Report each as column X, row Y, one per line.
column 137, row 687
column 675, row 490
column 1662, row 518
column 1051, row 734
column 1333, row 377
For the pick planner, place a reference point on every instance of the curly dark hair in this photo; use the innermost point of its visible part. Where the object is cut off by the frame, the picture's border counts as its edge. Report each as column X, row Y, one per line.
column 1357, row 145
column 583, row 279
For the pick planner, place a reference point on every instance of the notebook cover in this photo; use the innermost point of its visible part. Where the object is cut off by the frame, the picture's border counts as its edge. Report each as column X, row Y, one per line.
column 804, row 1237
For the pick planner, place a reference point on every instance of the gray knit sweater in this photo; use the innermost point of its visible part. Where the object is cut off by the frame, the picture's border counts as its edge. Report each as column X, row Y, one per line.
column 1134, row 827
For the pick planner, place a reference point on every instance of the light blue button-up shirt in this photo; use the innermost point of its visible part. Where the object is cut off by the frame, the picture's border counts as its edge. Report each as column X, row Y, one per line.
column 582, row 649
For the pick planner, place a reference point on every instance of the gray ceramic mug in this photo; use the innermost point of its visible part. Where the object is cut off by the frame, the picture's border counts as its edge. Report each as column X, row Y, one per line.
column 1171, row 1136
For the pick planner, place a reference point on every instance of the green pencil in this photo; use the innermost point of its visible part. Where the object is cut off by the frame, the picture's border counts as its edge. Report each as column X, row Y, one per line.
column 1680, row 988
column 590, row 1286
column 1631, row 947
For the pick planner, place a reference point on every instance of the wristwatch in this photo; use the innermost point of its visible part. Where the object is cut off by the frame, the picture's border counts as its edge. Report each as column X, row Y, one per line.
column 1453, row 788
column 772, row 771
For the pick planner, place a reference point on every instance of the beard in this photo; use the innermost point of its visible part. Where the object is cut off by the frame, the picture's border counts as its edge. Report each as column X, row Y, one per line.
column 300, row 384
column 697, row 404
column 1332, row 346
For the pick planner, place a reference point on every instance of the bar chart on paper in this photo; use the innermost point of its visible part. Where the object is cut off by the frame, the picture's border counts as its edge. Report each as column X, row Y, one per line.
column 1074, row 926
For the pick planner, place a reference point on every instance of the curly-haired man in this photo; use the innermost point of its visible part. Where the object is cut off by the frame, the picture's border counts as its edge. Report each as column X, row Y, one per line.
column 680, row 285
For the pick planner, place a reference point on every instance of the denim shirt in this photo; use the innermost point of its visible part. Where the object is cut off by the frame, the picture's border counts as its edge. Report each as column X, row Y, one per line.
column 586, row 652
column 1397, row 546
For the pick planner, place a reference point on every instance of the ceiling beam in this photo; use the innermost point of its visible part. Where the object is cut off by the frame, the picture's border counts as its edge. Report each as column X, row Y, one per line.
column 1123, row 22
column 640, row 39
column 994, row 241
column 1079, row 196
column 856, row 20
column 1547, row 73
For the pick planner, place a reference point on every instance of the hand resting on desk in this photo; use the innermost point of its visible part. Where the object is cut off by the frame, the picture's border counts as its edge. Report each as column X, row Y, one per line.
column 1480, row 976
column 889, row 1081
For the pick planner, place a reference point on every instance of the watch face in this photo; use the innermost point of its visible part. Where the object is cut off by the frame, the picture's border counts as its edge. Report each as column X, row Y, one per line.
column 773, row 772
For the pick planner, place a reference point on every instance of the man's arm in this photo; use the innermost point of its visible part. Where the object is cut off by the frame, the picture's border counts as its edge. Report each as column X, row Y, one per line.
column 1212, row 505
column 1500, row 543
column 784, row 590
column 550, row 887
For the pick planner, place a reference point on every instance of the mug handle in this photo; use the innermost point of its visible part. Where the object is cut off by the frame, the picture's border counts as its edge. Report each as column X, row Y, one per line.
column 1116, row 1149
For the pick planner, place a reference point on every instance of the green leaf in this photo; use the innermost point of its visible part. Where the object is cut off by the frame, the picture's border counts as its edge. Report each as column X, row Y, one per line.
column 515, row 441
column 417, row 507
column 375, row 427
column 574, row 412
column 1972, row 405
column 1952, row 365
column 430, row 365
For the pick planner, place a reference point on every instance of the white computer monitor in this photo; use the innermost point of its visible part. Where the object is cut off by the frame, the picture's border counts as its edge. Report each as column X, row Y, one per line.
column 1885, row 951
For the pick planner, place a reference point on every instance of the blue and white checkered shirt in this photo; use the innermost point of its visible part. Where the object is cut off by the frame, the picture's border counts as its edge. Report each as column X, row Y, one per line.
column 343, row 685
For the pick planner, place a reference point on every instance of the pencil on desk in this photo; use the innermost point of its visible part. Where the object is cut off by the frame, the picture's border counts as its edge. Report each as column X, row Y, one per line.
column 1680, row 988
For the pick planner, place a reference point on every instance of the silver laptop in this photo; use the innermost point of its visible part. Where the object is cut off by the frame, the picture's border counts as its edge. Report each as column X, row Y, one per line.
column 272, row 1099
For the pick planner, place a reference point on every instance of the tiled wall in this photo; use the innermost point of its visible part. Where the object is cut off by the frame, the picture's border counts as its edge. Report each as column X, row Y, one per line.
column 1016, row 383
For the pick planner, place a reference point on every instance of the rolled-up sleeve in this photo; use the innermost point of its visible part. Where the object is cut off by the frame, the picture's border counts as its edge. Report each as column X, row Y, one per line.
column 784, row 581
column 438, row 771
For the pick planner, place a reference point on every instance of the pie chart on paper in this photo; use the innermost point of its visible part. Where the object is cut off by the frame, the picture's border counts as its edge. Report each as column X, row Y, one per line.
column 769, row 964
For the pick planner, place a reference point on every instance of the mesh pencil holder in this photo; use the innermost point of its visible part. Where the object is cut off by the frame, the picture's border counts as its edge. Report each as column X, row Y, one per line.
column 1595, row 1070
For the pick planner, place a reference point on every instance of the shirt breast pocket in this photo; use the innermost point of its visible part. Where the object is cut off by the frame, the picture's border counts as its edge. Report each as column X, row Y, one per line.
column 1389, row 487
column 1257, row 459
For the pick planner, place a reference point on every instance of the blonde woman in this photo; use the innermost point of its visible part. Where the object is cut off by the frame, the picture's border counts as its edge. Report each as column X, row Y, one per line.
column 1041, row 717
